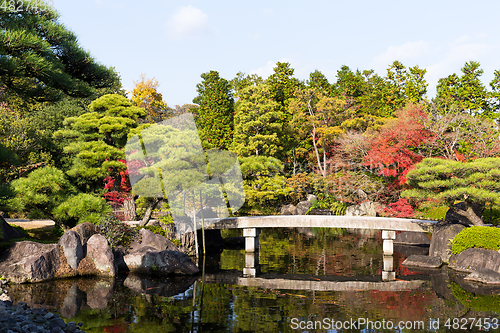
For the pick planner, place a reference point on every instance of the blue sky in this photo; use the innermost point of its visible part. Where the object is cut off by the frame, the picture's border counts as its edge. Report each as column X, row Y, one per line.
column 175, row 41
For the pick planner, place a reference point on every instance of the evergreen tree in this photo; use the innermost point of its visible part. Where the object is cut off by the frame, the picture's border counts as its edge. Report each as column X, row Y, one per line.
column 40, row 60
column 214, row 117
column 94, row 140
column 474, row 183
column 258, row 121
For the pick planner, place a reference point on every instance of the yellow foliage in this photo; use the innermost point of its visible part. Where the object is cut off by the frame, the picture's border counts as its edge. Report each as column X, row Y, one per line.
column 145, row 95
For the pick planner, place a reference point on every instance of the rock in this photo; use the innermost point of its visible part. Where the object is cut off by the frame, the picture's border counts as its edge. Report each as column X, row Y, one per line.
column 85, row 231
column 72, row 248
column 367, row 208
column 156, row 241
column 303, row 207
column 422, row 261
column 442, row 235
column 484, row 275
column 7, row 232
column 28, row 261
column 149, row 260
column 474, row 259
column 289, row 210
column 101, row 255
column 311, row 197
column 412, row 238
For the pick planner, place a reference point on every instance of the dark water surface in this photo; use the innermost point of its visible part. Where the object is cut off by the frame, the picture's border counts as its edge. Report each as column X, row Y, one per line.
column 308, row 278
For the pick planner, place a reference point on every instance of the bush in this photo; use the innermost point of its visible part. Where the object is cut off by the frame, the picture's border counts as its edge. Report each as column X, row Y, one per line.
column 81, row 208
column 476, row 236
column 400, row 208
column 116, row 232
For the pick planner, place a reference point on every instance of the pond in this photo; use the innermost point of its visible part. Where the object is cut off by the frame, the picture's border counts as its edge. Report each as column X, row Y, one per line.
column 307, row 280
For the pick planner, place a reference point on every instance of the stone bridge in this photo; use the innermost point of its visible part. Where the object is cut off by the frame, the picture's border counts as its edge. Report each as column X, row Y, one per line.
column 251, row 226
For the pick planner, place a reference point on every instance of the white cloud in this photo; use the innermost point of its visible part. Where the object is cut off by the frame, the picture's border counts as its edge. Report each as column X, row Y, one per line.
column 266, row 70
column 406, row 52
column 455, row 55
column 187, row 22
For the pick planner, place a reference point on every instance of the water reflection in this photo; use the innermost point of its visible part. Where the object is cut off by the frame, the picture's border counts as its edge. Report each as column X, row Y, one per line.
column 309, row 277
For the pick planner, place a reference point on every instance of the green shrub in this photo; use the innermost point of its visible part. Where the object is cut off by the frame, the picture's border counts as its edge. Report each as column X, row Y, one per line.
column 329, row 202
column 81, row 208
column 476, row 236
column 116, row 232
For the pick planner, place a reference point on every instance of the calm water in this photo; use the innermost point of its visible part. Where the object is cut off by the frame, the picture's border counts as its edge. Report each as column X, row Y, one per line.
column 322, row 278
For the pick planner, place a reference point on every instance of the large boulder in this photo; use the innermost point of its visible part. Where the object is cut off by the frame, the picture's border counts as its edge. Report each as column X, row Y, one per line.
column 7, row 232
column 156, row 241
column 28, row 261
column 475, row 259
column 148, row 260
column 72, row 248
column 85, row 231
column 100, row 254
column 303, row 207
column 442, row 235
column 367, row 208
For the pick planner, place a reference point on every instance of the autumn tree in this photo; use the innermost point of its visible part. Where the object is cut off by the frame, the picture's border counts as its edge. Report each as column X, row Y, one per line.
column 474, row 183
column 145, row 95
column 214, row 117
column 399, row 145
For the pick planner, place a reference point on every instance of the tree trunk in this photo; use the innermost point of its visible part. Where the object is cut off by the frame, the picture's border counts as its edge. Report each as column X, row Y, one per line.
column 472, row 212
column 152, row 205
column 129, row 209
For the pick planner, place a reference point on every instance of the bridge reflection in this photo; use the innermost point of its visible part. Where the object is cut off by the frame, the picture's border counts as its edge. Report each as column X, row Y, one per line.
column 311, row 283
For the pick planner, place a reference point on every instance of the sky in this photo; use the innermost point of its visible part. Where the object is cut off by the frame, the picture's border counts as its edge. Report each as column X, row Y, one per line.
column 175, row 41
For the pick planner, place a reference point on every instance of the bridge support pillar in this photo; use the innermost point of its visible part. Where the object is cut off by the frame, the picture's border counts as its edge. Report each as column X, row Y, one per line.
column 251, row 239
column 388, row 237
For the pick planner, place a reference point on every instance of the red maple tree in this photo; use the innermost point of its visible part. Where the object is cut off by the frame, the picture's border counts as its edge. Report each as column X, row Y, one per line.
column 396, row 149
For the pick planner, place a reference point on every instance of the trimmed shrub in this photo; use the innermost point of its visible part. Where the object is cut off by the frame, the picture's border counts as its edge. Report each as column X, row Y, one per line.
column 476, row 236
column 81, row 208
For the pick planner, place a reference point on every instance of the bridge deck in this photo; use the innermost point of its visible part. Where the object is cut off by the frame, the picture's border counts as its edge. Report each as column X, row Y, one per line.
column 322, row 221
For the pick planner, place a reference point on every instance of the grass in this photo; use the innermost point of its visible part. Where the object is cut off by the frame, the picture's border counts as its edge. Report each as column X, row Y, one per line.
column 45, row 235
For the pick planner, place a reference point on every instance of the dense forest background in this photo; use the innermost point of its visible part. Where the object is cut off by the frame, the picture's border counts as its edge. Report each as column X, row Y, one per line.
column 65, row 119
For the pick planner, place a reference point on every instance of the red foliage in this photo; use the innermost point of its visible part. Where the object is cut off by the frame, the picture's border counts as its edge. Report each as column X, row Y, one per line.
column 395, row 150
column 117, row 194
column 400, row 208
